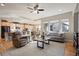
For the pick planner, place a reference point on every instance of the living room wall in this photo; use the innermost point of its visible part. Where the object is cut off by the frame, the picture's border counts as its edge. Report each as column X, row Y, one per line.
column 76, row 18
column 0, row 28
column 68, row 15
column 77, row 8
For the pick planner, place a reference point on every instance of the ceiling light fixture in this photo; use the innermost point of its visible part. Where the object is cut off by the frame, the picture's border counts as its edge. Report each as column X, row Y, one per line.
column 2, row 4
column 59, row 10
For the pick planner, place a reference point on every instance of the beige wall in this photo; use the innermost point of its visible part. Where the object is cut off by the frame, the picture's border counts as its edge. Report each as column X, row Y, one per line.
column 0, row 29
column 67, row 15
column 76, row 13
column 78, row 16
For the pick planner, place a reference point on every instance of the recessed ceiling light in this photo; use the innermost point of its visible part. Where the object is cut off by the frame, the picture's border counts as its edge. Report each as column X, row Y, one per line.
column 60, row 10
column 2, row 4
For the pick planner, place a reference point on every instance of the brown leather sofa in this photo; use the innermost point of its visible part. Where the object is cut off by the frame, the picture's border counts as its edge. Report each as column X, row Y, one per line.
column 18, row 41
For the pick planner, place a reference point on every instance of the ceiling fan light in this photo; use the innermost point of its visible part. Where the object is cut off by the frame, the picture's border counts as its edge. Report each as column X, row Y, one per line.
column 59, row 10
column 37, row 12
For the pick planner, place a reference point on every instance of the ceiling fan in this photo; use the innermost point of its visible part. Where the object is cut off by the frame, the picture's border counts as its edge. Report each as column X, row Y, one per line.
column 35, row 8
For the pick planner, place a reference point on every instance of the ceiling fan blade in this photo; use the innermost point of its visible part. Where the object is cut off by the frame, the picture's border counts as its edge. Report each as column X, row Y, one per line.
column 30, row 8
column 40, row 9
column 36, row 7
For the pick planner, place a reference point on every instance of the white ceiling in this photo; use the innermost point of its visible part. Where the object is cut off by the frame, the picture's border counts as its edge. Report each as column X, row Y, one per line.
column 18, row 11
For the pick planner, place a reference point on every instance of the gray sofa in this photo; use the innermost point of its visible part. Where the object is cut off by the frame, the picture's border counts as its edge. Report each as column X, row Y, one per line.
column 56, row 37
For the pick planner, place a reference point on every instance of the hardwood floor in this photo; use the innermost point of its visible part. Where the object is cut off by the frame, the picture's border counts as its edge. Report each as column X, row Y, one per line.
column 69, row 49
column 4, row 45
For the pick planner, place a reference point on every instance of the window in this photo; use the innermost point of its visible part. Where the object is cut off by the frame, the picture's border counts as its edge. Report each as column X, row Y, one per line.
column 65, row 26
column 57, row 26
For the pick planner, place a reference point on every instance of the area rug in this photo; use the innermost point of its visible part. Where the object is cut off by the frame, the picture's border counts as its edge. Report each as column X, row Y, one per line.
column 54, row 49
